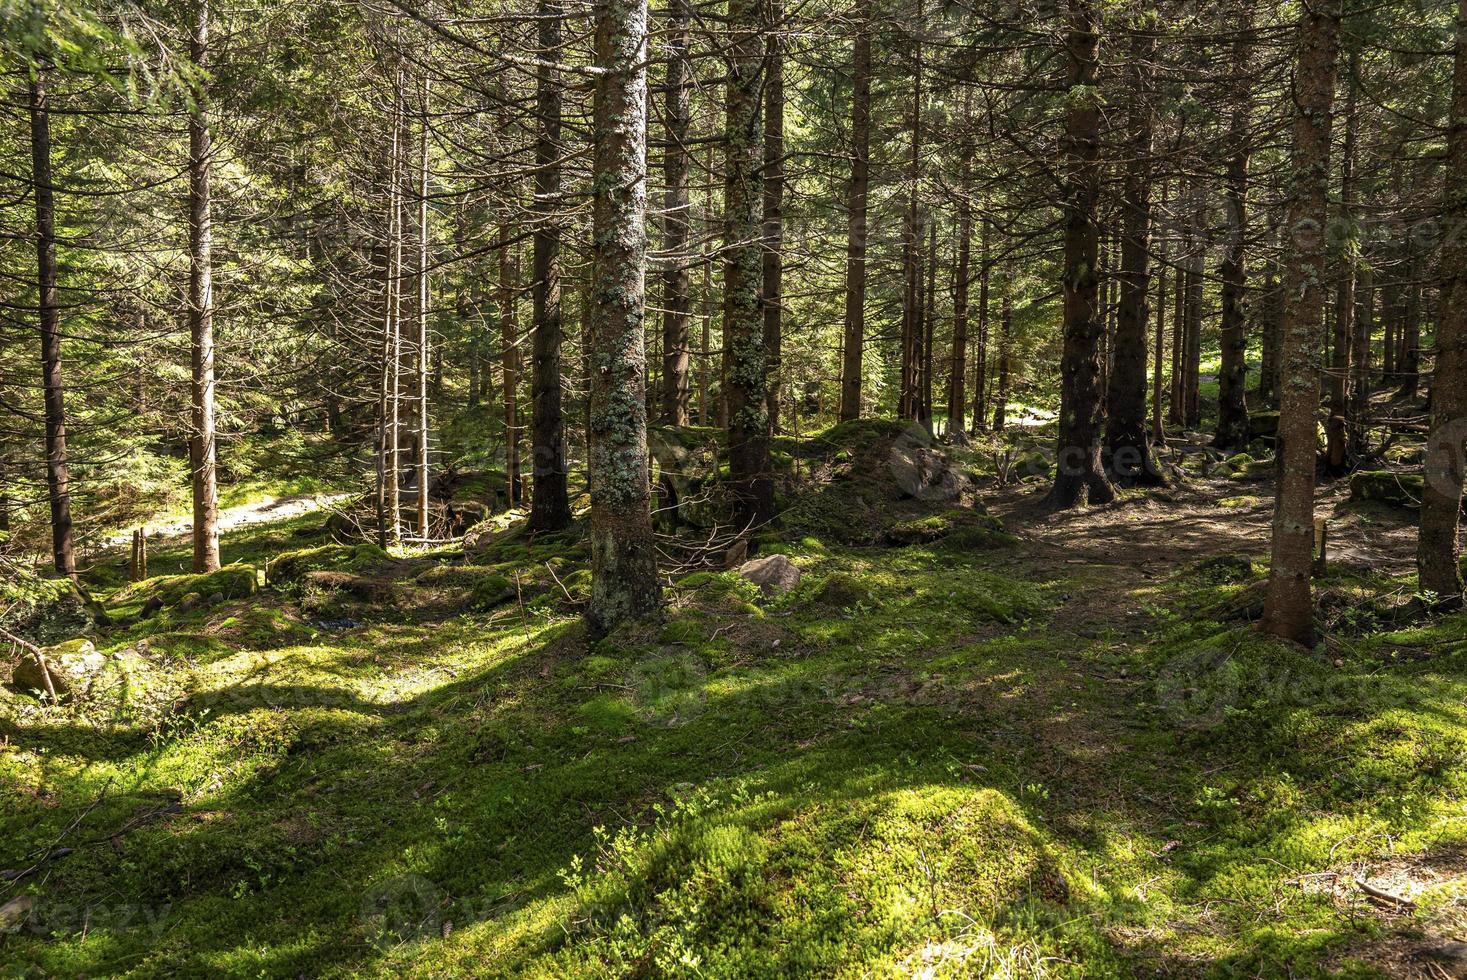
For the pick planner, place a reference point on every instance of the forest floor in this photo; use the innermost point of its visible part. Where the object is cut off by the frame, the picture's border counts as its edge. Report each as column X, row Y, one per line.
column 1067, row 755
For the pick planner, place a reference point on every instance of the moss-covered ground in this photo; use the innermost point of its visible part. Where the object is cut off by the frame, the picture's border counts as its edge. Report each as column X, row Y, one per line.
column 1011, row 759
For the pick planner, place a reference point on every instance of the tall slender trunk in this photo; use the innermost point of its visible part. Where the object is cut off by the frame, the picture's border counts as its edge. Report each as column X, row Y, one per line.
column 1270, row 312
column 1438, row 558
column 624, row 581
column 549, row 502
column 1232, row 413
column 747, row 358
column 424, row 298
column 773, row 254
column 980, row 367
column 926, row 314
column 1336, row 439
column 957, row 376
column 58, row 477
column 1130, row 450
column 676, row 296
column 1158, row 421
column 855, row 319
column 509, row 269
column 1005, row 326
column 1289, row 605
column 394, row 338
column 909, row 402
column 1079, row 475
column 1358, row 410
column 1192, row 356
column 202, row 451
column 1408, row 362
column 1179, row 318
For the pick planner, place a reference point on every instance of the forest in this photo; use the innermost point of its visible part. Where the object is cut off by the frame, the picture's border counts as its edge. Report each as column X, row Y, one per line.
column 733, row 488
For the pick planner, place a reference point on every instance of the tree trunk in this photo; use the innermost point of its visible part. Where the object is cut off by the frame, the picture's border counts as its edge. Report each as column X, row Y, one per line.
column 1130, row 450
column 926, row 314
column 1344, row 326
column 1438, row 557
column 773, row 254
column 1192, row 356
column 1158, row 421
column 1408, row 362
column 1005, row 325
column 676, row 295
column 202, row 452
column 957, row 376
column 624, row 582
column 909, row 401
column 58, row 478
column 855, row 321
column 1289, row 605
column 424, row 297
column 549, row 503
column 1232, row 414
column 751, row 482
column 1359, row 407
column 980, row 367
column 1079, row 475
column 510, row 364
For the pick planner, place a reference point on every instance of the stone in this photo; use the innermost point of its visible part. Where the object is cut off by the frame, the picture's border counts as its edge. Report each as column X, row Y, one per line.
column 737, row 553
column 69, row 666
column 774, row 575
column 216, row 598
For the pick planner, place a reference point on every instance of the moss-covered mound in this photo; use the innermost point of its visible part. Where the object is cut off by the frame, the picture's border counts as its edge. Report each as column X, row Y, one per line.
column 167, row 591
column 1387, row 487
column 291, row 567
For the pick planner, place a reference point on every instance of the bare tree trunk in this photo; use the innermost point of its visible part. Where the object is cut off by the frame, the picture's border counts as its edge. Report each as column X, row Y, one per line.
column 855, row 322
column 1336, row 439
column 773, row 255
column 1408, row 362
column 957, row 376
column 1079, row 475
column 1438, row 557
column 510, row 365
column 624, row 581
column 202, row 452
column 1232, row 413
column 980, row 368
column 1359, row 407
column 1289, row 606
column 58, row 479
column 746, row 358
column 909, row 401
column 925, row 317
column 394, row 339
column 1158, row 420
column 424, row 297
column 1130, row 450
column 1006, row 321
column 676, row 295
column 549, row 502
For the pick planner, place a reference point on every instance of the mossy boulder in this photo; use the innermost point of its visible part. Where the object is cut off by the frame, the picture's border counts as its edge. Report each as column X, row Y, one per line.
column 1263, row 426
column 187, row 592
column 1226, row 568
column 842, row 590
column 1388, row 487
column 491, row 591
column 291, row 567
column 961, row 528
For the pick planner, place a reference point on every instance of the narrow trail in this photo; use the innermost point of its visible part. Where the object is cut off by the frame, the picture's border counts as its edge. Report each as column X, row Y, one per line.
column 266, row 511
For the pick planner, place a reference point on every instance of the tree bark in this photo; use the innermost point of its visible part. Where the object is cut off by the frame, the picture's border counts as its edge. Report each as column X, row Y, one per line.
column 1005, row 326
column 1158, row 420
column 510, row 364
column 855, row 320
column 751, row 482
column 957, row 376
column 1232, row 416
column 1438, row 557
column 1289, row 604
column 1336, row 439
column 624, row 581
column 676, row 288
column 1129, row 448
column 202, row 451
column 549, row 502
column 58, row 478
column 909, row 400
column 980, row 355
column 424, row 297
column 773, row 253
column 1079, row 475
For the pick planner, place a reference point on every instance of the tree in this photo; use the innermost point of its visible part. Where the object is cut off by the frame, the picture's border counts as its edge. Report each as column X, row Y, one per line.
column 746, row 357
column 1232, row 415
column 624, row 582
column 1289, row 605
column 772, row 262
column 1130, row 449
column 549, row 502
column 676, row 294
column 854, row 339
column 201, row 310
column 1438, row 557
column 58, row 474
column 1079, row 475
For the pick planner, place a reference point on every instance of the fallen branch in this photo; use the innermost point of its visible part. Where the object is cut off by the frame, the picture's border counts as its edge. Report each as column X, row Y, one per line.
column 1382, row 895
column 34, row 651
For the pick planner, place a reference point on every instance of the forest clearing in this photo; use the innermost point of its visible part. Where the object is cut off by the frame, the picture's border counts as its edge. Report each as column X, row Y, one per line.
column 739, row 489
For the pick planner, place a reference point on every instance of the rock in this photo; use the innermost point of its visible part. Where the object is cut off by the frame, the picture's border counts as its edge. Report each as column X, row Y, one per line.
column 924, row 472
column 1384, row 486
column 216, row 598
column 189, row 602
column 1263, row 426
column 737, row 553
column 69, row 667
column 15, row 912
column 151, row 607
column 774, row 575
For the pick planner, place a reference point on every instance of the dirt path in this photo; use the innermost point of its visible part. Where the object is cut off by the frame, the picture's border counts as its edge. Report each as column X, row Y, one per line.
column 245, row 515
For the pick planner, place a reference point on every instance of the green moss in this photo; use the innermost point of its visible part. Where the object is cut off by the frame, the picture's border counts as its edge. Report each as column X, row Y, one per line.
column 290, row 568
column 491, row 591
column 1383, row 486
